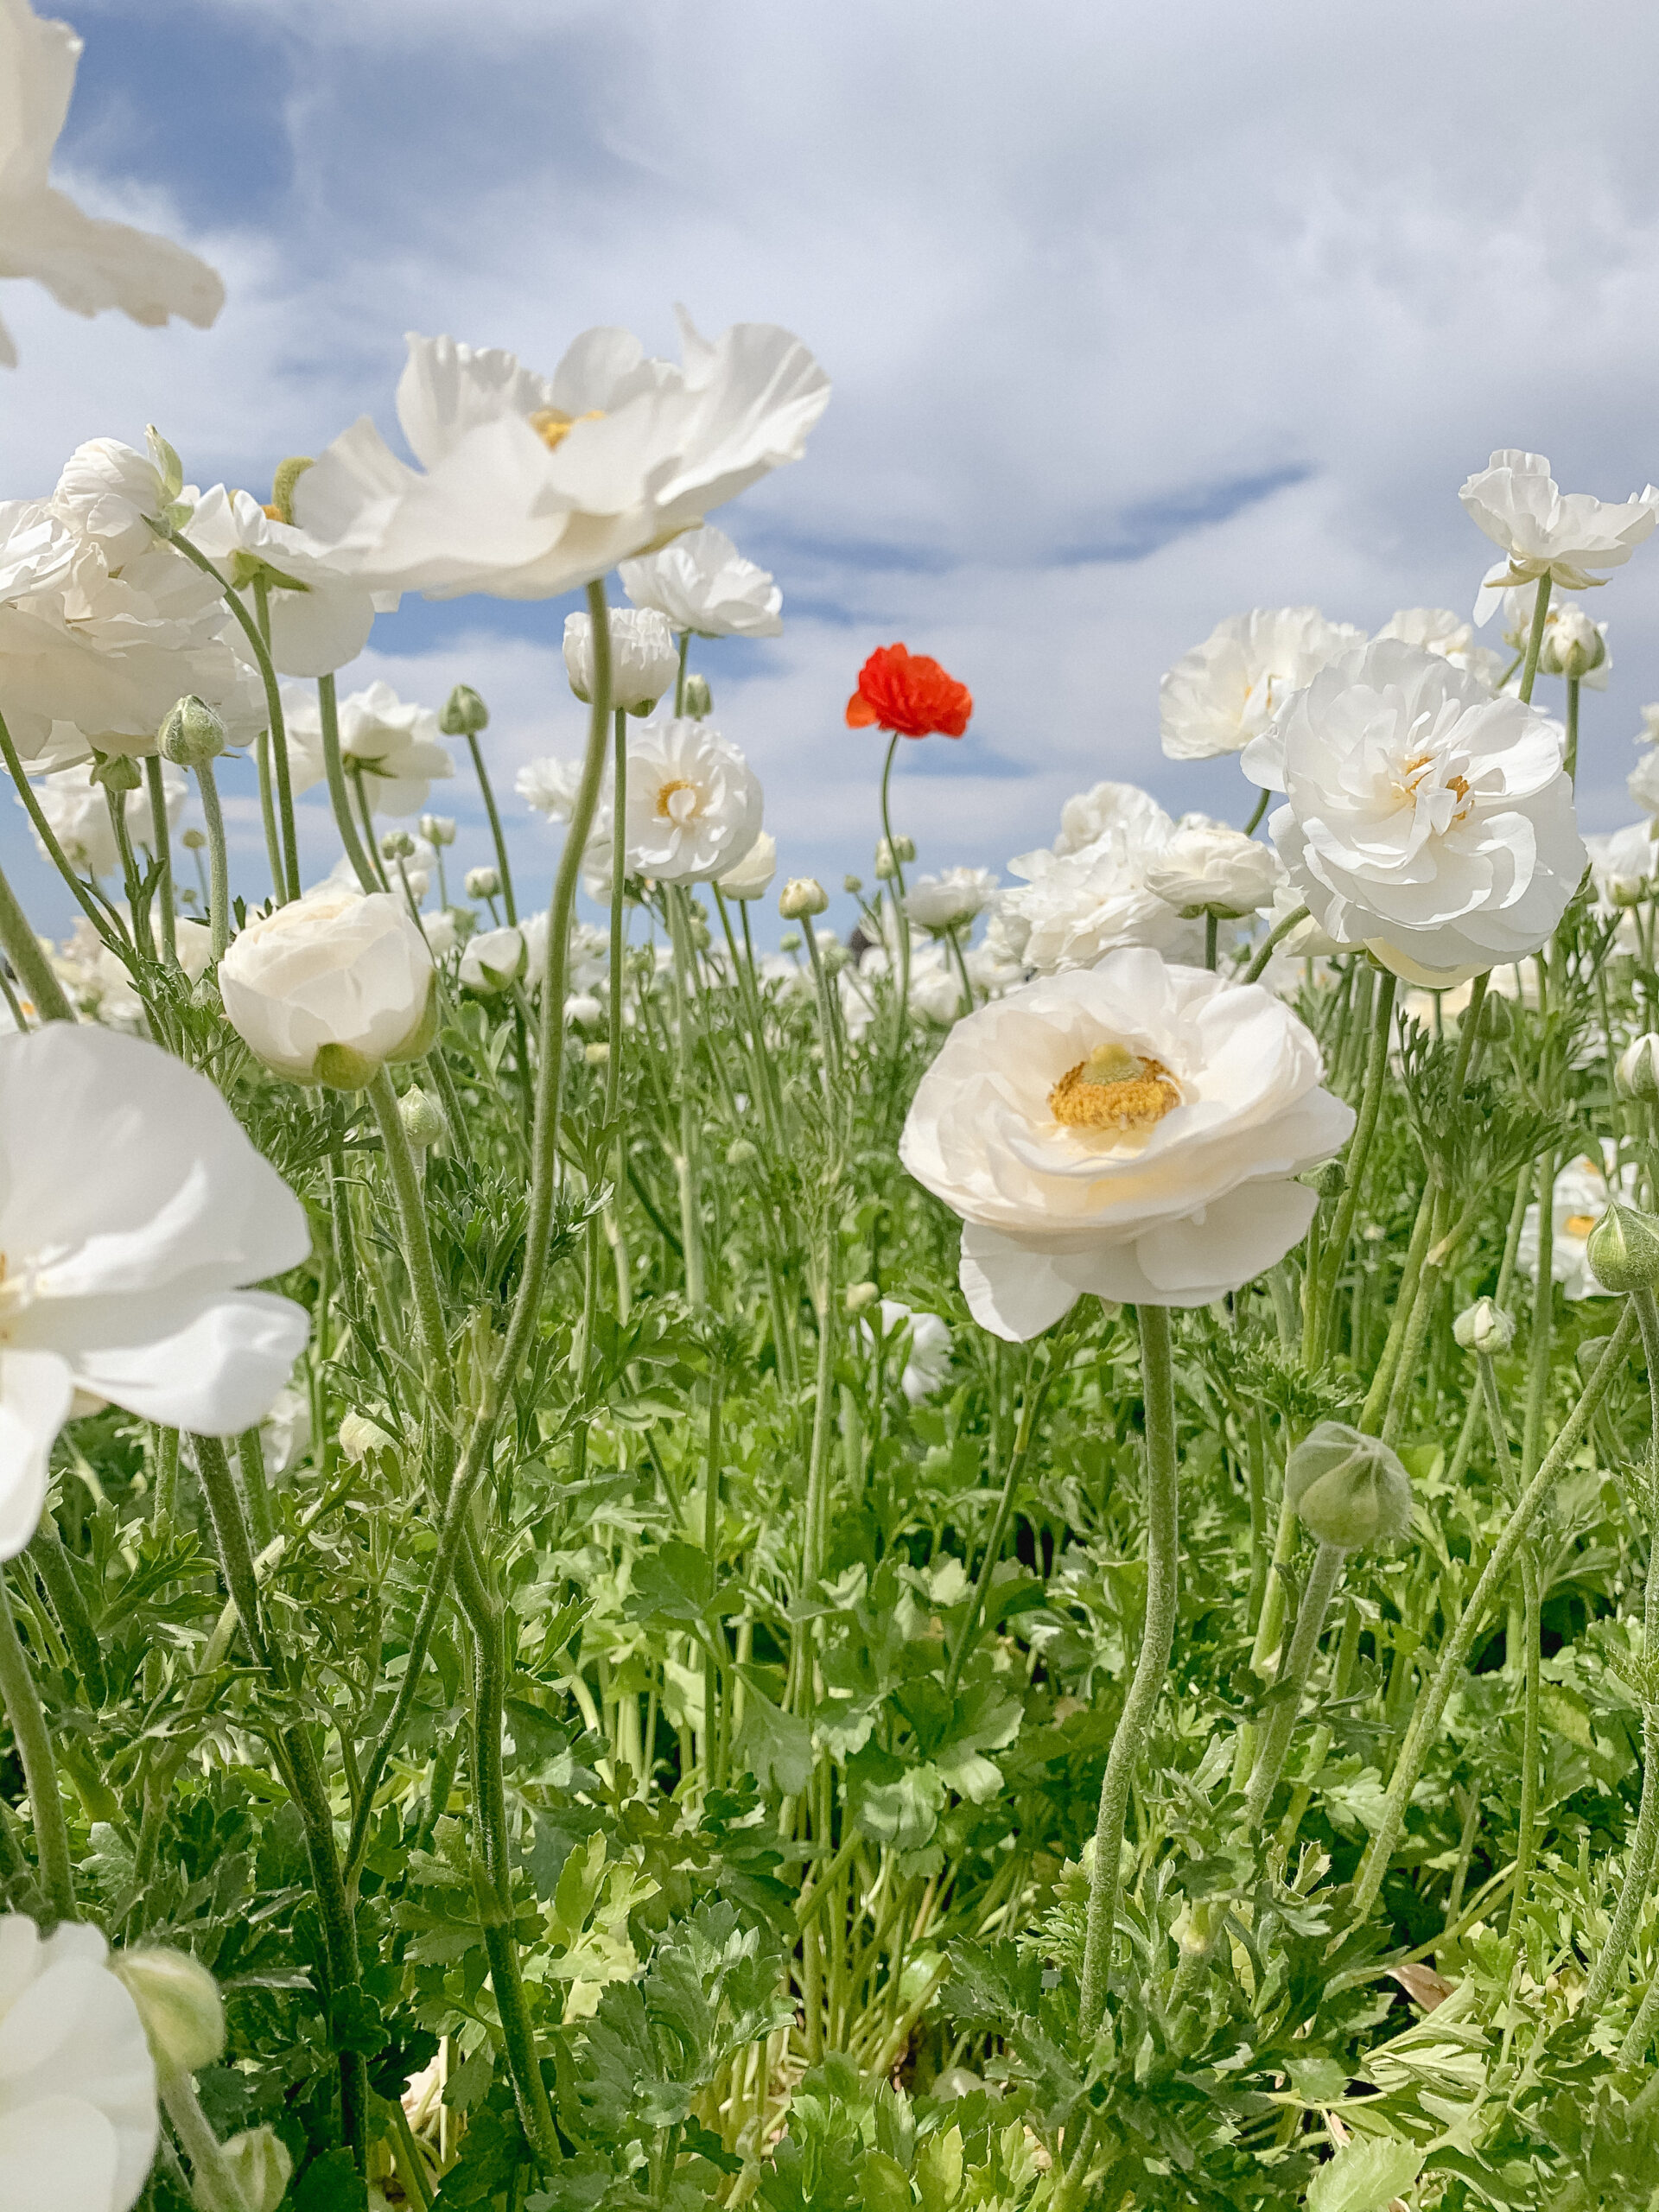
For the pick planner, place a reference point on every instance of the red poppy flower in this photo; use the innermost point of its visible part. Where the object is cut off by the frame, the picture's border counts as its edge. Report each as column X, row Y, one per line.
column 901, row 690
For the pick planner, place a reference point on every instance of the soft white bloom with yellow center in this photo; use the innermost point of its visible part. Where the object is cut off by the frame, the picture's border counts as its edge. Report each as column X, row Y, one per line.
column 393, row 743
column 1224, row 692
column 701, row 582
column 1215, row 871
column 330, row 988
column 320, row 619
column 1582, row 1194
column 530, row 484
column 1546, row 532
column 134, row 1210
column 1086, row 899
column 644, row 659
column 78, row 2104
column 1132, row 1131
column 950, row 900
column 85, row 264
column 77, row 813
column 1438, row 630
column 693, row 803
column 1427, row 819
column 924, row 1341
column 753, row 875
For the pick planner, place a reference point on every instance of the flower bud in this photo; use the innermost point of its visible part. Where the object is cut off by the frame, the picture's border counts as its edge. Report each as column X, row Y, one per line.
column 853, row 883
column 1484, row 1327
column 1329, row 1179
column 438, row 828
column 464, row 713
column 801, row 896
column 179, row 2002
column 790, row 941
column 861, row 1295
column 397, row 845
column 1638, row 1070
column 329, row 990
column 493, row 960
column 890, row 858
column 482, row 883
column 359, row 1436
column 740, row 1153
column 596, row 1054
column 1623, row 1248
column 261, row 2165
column 192, row 734
column 1573, row 645
column 752, row 876
column 699, row 699
column 423, row 1123
column 116, row 772
column 193, row 841
column 1496, row 1023
column 645, row 659
column 1348, row 1488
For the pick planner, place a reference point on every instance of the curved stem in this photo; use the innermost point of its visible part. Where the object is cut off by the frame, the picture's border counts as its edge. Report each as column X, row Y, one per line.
column 382, row 881
column 137, row 907
column 410, row 1203
column 34, row 970
column 48, row 837
column 1264, row 952
column 1526, row 1842
column 501, row 867
column 1370, row 1103
column 1256, row 813
column 339, row 797
column 218, row 866
column 33, row 1738
column 1322, row 1582
column 161, row 831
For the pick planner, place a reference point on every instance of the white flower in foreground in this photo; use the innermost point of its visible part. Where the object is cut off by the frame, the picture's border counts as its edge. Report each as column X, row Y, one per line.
column 77, row 813
column 1427, row 819
column 320, row 619
column 753, row 876
column 1582, row 1194
column 925, row 1342
column 693, row 803
column 952, row 900
column 1220, row 695
column 1543, row 531
column 644, row 659
column 493, row 960
column 394, row 743
column 1215, row 871
column 329, row 989
column 1438, row 630
column 1083, row 901
column 134, row 1210
column 77, row 2113
column 701, row 582
column 85, row 264
column 1132, row 1131
column 551, row 785
column 530, row 484
column 1624, row 865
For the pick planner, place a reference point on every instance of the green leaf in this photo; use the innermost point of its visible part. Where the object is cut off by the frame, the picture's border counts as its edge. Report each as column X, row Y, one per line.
column 776, row 1746
column 330, row 2183
column 1364, row 2175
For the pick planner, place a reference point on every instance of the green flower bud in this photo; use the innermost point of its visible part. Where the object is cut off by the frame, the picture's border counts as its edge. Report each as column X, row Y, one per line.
column 464, row 713
column 263, row 2167
column 597, row 1053
column 740, row 1153
column 193, row 841
column 1623, row 1248
column 790, row 941
column 359, row 1436
column 116, row 772
column 861, row 1295
column 1484, row 1326
column 1638, row 1070
column 396, row 845
column 1496, row 1023
column 889, row 858
column 699, row 700
column 800, row 896
column 1329, row 1179
column 482, row 883
column 166, row 463
column 853, row 883
column 192, row 735
column 179, row 2002
column 438, row 828
column 1348, row 1488
column 288, row 474
column 423, row 1123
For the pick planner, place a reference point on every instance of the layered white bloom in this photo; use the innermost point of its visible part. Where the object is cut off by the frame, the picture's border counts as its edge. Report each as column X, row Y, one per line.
column 441, row 935
column 1428, row 820
column 1624, row 865
column 77, row 813
column 77, row 2106
column 1107, row 808
column 701, row 582
column 1643, row 783
column 1307, row 941
column 1083, row 901
column 329, row 989
column 493, row 960
column 530, row 484
column 551, row 785
column 132, row 1211
column 1438, row 630
column 924, row 1342
column 1582, row 1194
column 644, row 659
column 950, row 900
column 394, row 743
column 1132, row 1131
column 693, row 803
column 1543, row 531
column 751, row 877
column 320, row 619
column 111, row 491
column 1220, row 695
column 86, row 264
column 1215, row 871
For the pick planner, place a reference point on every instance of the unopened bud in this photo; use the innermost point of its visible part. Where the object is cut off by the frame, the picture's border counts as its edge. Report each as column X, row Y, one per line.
column 890, row 858
column 861, row 1295
column 166, row 463
column 740, row 1153
column 482, row 883
column 699, row 699
column 853, row 883
column 1330, row 1179
column 193, row 841
column 423, row 1123
column 800, row 896
column 438, row 828
column 1623, row 1248
column 359, row 1436
column 596, row 1054
column 1348, row 1488
column 464, row 713
column 790, row 941
column 397, row 845
column 1484, row 1327
column 1496, row 1022
column 116, row 772
column 1573, row 645
column 179, row 2002
column 192, row 734
column 262, row 2166
column 1637, row 1071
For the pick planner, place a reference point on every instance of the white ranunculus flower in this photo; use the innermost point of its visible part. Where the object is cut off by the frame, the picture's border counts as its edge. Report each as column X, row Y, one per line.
column 1081, row 901
column 529, row 485
column 693, row 803
column 86, row 264
column 1438, row 630
column 331, row 988
column 950, row 900
column 111, row 491
column 1216, row 871
column 1581, row 1196
column 752, row 878
column 1132, row 1131
column 701, row 582
column 1624, row 865
column 1307, row 941
column 644, row 659
column 493, row 960
column 1427, row 819
column 77, row 813
column 134, row 1210
column 441, row 935
column 1543, row 531
column 395, row 744
column 285, row 1432
column 925, row 1342
column 320, row 619
column 1087, row 817
column 1226, row 690
column 79, row 2125
column 1643, row 783
column 551, row 785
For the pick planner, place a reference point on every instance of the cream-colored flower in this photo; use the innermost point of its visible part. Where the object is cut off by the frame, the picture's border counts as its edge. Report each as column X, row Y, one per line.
column 394, row 743
column 1132, row 1131
column 644, row 659
column 1543, row 531
column 1086, row 899
column 1214, row 871
column 329, row 989
column 493, row 960
column 529, row 484
column 1624, row 865
column 1226, row 690
column 1438, row 630
column 952, row 900
column 320, row 619
column 753, row 876
column 693, row 803
column 701, row 582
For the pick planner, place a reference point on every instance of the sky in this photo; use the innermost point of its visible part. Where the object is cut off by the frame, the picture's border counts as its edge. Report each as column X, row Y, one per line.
column 1136, row 319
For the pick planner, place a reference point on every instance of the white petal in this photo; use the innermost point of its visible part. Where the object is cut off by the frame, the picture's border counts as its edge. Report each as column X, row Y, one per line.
column 1011, row 1290
column 60, row 2155
column 215, row 1366
column 36, row 1392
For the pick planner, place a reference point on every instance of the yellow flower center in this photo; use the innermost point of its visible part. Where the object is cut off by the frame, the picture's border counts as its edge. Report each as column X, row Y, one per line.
column 552, row 426
column 1580, row 1224
column 677, row 800
column 1411, row 778
column 1114, row 1089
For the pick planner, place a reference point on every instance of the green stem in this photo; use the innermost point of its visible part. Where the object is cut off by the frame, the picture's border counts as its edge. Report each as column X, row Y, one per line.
column 218, row 867
column 33, row 1738
column 901, row 919
column 1570, row 760
column 251, row 1458
column 339, row 797
column 1326, row 1575
column 214, row 2187
column 687, row 1164
column 382, row 881
column 613, row 1029
column 1211, row 933
column 161, row 831
column 679, row 674
column 1527, row 1822
column 408, row 1199
column 267, row 812
column 1264, row 952
column 501, row 867
column 1536, row 637
column 1256, row 813
column 1543, row 1318
column 48, row 837
column 34, row 970
column 1370, row 1103
column 137, row 905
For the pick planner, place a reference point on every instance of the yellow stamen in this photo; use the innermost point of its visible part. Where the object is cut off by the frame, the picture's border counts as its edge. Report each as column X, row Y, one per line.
column 1580, row 1224
column 665, row 791
column 552, row 426
column 1113, row 1089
